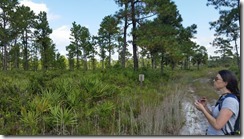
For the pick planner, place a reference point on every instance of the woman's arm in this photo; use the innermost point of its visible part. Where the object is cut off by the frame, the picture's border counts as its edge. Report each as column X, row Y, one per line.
column 220, row 121
column 207, row 109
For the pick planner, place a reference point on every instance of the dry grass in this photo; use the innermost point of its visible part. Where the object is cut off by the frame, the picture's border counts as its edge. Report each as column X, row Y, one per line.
column 165, row 118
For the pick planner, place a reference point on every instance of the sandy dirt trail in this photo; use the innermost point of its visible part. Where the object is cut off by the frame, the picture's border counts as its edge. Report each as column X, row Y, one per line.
column 195, row 122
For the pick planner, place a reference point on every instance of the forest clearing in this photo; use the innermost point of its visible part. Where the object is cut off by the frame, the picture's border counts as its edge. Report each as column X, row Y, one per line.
column 148, row 89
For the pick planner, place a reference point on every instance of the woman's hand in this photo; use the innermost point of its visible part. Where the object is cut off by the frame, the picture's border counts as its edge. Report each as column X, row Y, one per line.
column 199, row 105
column 203, row 101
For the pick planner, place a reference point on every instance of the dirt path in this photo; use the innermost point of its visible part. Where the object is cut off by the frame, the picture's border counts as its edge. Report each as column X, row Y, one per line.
column 196, row 123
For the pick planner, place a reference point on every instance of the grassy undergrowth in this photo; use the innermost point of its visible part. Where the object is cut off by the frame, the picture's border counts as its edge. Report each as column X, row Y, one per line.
column 95, row 102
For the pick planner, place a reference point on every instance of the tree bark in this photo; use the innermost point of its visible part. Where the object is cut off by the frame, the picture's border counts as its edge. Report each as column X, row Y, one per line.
column 237, row 57
column 135, row 58
column 124, row 38
column 162, row 64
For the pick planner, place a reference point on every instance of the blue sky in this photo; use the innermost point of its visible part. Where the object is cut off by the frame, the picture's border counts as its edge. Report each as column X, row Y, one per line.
column 89, row 13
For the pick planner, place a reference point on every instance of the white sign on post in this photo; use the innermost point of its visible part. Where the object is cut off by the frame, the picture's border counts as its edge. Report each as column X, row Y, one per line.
column 141, row 78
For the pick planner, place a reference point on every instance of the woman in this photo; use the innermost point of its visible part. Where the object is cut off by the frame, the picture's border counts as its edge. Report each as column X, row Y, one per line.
column 226, row 83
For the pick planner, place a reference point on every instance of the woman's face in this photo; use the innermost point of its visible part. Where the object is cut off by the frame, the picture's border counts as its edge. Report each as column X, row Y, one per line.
column 219, row 83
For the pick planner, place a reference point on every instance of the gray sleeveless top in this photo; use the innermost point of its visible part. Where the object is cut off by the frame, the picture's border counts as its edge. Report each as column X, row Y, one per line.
column 228, row 103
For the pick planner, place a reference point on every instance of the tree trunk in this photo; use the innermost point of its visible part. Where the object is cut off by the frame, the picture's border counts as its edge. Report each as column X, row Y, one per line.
column 143, row 62
column 109, row 51
column 93, row 62
column 162, row 64
column 2, row 58
column 36, row 60
column 237, row 57
column 85, row 60
column 45, row 55
column 5, row 64
column 124, row 38
column 103, row 64
column 153, row 61
column 25, row 50
column 5, row 59
column 134, row 36
column 173, row 65
column 16, row 55
column 239, row 13
column 77, row 57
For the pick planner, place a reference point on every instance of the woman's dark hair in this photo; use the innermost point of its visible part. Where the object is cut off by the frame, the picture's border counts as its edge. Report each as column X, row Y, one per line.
column 231, row 79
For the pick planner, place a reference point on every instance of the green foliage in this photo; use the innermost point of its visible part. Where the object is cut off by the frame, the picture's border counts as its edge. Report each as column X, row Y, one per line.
column 62, row 119
column 227, row 27
column 96, row 102
column 30, row 121
column 95, row 91
column 236, row 71
column 46, row 46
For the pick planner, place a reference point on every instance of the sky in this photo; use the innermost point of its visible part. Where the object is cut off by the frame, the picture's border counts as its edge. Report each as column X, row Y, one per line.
column 90, row 13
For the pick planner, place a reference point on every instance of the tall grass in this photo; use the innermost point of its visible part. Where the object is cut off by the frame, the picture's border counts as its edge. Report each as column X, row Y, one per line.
column 163, row 117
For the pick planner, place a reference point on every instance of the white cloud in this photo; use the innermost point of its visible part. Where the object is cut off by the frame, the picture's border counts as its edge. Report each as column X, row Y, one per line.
column 51, row 16
column 205, row 41
column 38, row 7
column 60, row 37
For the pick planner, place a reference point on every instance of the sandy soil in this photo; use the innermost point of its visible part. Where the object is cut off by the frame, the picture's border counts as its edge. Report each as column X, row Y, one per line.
column 195, row 122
